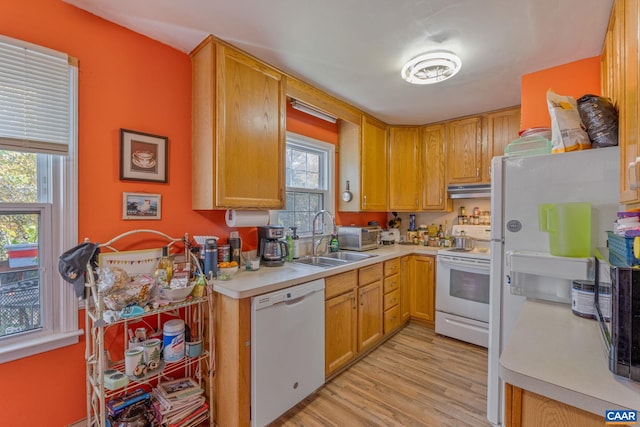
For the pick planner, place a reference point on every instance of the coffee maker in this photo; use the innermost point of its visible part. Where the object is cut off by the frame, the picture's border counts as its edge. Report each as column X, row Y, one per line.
column 272, row 249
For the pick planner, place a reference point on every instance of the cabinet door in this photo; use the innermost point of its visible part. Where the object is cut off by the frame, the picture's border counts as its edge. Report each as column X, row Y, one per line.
column 464, row 145
column 340, row 331
column 423, row 288
column 502, row 128
column 238, row 130
column 625, row 84
column 404, row 168
column 434, row 187
column 526, row 409
column 373, row 164
column 250, row 155
column 370, row 315
column 405, row 287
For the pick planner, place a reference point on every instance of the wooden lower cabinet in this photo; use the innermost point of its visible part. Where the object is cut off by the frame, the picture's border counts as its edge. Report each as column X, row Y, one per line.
column 422, row 289
column 392, row 296
column 526, row 409
column 405, row 288
column 354, row 316
column 369, row 315
column 341, row 335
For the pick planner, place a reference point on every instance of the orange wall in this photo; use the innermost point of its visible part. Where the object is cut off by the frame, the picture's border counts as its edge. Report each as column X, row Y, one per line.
column 573, row 79
column 125, row 81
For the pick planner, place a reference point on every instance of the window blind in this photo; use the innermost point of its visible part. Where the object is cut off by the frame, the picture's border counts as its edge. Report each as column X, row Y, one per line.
column 34, row 98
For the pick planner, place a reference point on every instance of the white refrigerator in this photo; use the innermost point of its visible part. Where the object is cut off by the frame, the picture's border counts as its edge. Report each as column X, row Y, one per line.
column 519, row 186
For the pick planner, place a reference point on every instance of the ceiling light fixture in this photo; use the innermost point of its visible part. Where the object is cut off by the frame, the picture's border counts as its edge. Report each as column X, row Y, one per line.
column 431, row 67
column 300, row 106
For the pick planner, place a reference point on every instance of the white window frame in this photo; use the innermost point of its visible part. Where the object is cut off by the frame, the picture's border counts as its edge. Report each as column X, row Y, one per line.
column 59, row 232
column 329, row 172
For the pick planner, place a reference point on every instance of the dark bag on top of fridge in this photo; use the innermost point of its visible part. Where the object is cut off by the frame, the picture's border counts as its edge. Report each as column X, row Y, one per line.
column 566, row 127
column 600, row 118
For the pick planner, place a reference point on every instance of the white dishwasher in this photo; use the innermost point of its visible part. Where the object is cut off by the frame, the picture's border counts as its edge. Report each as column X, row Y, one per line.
column 287, row 349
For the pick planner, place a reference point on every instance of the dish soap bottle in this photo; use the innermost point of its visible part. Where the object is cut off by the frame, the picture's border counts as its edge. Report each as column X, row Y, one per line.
column 164, row 271
column 296, row 243
column 289, row 240
column 334, row 245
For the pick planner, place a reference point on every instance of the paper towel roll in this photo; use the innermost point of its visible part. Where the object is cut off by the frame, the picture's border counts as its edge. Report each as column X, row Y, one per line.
column 236, row 218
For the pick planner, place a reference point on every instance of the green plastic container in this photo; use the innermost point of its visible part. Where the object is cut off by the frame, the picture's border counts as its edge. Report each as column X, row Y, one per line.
column 569, row 228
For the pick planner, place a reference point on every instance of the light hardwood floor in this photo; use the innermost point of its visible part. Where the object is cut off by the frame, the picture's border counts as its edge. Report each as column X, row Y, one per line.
column 416, row 378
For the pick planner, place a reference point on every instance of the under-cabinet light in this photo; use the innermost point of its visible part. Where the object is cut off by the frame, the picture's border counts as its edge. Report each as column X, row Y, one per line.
column 297, row 105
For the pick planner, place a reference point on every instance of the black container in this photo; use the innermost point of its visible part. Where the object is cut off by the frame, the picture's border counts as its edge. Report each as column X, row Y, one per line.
column 234, row 242
column 211, row 258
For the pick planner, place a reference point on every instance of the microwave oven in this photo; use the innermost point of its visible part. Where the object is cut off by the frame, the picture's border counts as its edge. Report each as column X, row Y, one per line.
column 358, row 238
column 622, row 333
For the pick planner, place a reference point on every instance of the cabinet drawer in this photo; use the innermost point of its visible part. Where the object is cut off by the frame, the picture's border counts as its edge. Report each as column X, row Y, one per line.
column 369, row 274
column 392, row 319
column 340, row 283
column 391, row 283
column 391, row 299
column 391, row 267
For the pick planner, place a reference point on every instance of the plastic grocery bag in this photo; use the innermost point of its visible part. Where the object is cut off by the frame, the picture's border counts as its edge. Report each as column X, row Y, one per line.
column 567, row 133
column 601, row 120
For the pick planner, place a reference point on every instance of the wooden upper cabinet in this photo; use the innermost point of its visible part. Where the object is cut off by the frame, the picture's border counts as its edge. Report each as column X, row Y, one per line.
column 404, row 168
column 464, row 150
column 502, row 127
column 363, row 162
column 622, row 50
column 373, row 163
column 238, row 130
column 434, row 186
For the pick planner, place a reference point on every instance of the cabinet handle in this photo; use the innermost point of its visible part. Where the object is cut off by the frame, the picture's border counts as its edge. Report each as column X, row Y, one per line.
column 354, row 302
column 365, row 200
column 362, row 298
column 477, row 171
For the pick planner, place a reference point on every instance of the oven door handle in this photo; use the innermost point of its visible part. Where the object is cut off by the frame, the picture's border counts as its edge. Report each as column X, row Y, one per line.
column 464, row 263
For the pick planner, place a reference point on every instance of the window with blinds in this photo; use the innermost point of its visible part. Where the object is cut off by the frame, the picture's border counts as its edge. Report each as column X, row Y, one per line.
column 38, row 198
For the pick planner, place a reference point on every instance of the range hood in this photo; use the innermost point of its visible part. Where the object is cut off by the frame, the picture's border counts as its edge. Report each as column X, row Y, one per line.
column 469, row 191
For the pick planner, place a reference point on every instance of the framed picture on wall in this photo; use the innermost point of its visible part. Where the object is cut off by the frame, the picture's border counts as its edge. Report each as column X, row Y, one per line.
column 143, row 157
column 141, row 206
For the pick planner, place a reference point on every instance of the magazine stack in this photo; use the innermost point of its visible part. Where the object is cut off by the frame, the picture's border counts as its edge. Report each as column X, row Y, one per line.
column 180, row 403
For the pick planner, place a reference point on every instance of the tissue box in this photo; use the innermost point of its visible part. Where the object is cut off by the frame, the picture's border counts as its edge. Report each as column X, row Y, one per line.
column 22, row 255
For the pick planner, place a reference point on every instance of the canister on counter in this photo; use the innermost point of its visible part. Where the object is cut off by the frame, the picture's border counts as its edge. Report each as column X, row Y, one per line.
column 224, row 253
column 582, row 299
column 423, row 234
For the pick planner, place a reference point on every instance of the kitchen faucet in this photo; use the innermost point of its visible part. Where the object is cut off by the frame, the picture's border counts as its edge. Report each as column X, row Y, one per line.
column 315, row 244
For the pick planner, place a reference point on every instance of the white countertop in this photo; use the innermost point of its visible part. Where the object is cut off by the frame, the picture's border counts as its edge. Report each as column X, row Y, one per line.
column 246, row 284
column 554, row 353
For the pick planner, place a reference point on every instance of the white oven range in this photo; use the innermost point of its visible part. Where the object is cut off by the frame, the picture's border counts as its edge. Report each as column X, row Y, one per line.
column 462, row 288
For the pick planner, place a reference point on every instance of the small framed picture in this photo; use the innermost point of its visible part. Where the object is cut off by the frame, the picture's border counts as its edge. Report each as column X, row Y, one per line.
column 141, row 206
column 143, row 157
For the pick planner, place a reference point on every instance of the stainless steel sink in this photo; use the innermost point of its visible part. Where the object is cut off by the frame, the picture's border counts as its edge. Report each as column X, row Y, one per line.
column 348, row 256
column 321, row 261
column 333, row 259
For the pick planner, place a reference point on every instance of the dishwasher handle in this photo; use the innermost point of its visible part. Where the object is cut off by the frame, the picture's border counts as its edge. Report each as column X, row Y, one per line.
column 290, row 296
column 296, row 300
